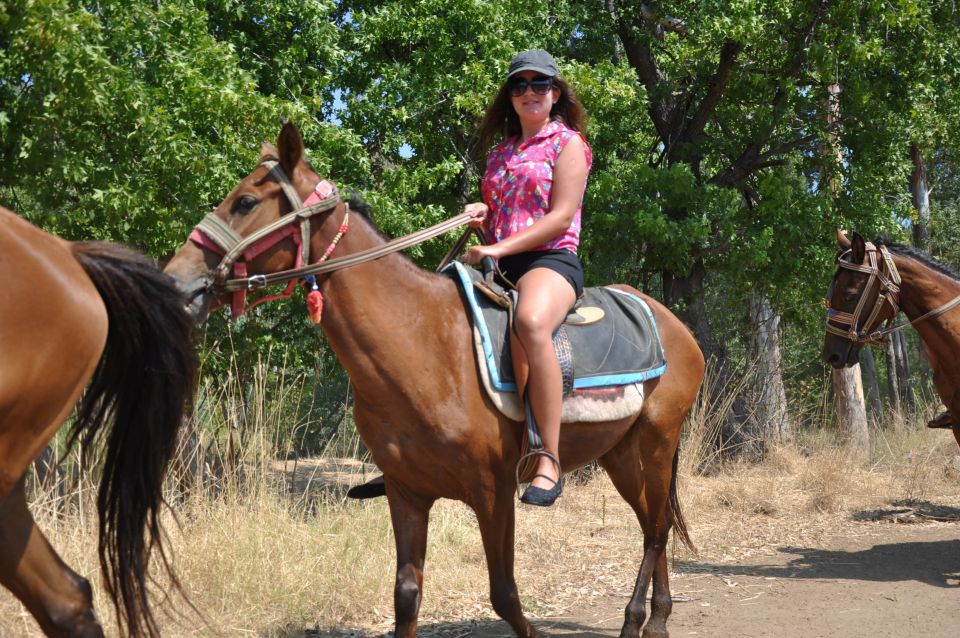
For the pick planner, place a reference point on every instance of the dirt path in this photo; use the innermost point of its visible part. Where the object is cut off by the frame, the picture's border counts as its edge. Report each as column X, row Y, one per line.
column 902, row 580
column 889, row 580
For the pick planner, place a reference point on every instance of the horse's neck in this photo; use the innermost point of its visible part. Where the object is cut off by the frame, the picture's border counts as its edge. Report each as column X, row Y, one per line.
column 383, row 317
column 922, row 290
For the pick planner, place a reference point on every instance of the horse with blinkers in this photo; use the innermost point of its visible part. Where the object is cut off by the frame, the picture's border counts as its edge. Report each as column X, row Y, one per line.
column 873, row 283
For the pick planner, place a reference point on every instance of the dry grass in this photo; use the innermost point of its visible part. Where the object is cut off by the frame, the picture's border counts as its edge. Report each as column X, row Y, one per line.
column 273, row 549
column 266, row 561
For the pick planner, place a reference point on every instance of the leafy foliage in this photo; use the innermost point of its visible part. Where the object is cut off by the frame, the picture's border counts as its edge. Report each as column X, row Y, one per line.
column 709, row 124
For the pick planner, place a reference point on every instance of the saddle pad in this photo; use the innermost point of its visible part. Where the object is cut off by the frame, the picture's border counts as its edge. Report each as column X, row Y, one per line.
column 584, row 405
column 622, row 349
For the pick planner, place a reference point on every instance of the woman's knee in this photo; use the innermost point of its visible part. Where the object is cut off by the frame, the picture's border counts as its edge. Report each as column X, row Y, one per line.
column 532, row 326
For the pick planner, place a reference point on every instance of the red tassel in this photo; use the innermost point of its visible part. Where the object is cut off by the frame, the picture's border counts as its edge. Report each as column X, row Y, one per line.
column 315, row 306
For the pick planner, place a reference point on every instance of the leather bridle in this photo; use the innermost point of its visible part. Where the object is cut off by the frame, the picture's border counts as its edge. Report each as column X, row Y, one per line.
column 882, row 272
column 236, row 251
column 214, row 234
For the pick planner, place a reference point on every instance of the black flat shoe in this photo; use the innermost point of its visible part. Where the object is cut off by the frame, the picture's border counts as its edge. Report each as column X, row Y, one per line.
column 540, row 497
column 371, row 489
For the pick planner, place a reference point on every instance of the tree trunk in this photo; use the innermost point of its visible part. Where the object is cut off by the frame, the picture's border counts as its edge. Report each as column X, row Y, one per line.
column 920, row 198
column 850, row 411
column 687, row 292
column 893, row 380
column 736, row 435
column 870, row 383
column 769, row 397
column 848, row 386
column 903, row 373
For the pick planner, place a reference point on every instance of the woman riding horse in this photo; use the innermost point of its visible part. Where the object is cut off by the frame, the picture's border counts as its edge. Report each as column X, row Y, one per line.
column 407, row 344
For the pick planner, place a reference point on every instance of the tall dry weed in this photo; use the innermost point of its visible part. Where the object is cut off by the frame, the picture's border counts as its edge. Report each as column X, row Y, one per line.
column 266, row 544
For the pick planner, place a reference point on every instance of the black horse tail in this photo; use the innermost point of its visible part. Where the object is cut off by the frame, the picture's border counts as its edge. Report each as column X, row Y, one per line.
column 143, row 384
column 676, row 516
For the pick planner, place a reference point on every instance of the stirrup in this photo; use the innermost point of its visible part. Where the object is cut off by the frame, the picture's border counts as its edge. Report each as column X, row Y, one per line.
column 523, row 465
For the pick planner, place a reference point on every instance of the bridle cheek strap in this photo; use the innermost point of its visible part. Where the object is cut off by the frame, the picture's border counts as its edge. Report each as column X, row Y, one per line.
column 215, row 235
column 887, row 278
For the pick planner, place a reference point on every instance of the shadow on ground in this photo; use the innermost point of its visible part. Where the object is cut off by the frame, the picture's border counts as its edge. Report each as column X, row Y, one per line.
column 935, row 563
column 461, row 629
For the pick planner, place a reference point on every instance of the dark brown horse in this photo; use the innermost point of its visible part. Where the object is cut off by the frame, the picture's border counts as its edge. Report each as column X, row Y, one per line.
column 405, row 341
column 873, row 282
column 72, row 314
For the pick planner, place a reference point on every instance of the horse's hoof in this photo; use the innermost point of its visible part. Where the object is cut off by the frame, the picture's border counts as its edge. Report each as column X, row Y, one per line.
column 942, row 421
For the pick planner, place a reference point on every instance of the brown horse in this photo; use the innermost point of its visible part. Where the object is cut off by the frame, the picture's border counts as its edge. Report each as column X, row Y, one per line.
column 72, row 314
column 405, row 340
column 873, row 282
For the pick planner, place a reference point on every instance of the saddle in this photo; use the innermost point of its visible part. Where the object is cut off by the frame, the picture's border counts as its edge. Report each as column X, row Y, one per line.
column 607, row 347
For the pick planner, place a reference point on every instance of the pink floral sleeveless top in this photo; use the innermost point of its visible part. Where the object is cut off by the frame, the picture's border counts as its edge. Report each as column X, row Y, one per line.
column 518, row 183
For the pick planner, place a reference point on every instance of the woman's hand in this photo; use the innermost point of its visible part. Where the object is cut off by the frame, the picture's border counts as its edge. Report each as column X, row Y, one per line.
column 478, row 213
column 475, row 254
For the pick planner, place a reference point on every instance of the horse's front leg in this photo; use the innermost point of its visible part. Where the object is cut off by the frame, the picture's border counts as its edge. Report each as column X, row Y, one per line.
column 495, row 514
column 410, row 514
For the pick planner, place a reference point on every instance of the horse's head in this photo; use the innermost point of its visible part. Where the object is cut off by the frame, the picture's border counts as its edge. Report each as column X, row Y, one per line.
column 252, row 231
column 861, row 297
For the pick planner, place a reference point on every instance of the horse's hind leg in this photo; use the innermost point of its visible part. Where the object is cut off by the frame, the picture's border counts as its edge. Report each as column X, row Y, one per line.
column 645, row 484
column 58, row 598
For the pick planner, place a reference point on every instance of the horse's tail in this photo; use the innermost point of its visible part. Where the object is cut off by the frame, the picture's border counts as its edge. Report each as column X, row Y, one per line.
column 676, row 516
column 143, row 384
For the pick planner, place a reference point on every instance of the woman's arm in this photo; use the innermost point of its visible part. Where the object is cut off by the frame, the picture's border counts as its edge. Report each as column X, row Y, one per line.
column 569, row 182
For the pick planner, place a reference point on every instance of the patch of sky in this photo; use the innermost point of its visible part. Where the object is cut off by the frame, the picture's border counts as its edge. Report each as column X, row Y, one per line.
column 338, row 107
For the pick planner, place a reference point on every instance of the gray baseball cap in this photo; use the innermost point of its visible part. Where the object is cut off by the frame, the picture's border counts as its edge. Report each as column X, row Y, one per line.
column 535, row 60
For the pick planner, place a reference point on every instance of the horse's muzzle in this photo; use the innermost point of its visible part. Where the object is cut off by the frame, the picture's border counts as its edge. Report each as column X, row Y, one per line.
column 841, row 353
column 198, row 296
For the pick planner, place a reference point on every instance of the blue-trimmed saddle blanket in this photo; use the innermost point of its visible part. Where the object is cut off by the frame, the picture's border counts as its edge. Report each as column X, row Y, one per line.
column 611, row 358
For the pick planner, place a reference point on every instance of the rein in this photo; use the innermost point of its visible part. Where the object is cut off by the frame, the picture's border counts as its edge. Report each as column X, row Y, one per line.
column 214, row 234
column 884, row 272
column 338, row 263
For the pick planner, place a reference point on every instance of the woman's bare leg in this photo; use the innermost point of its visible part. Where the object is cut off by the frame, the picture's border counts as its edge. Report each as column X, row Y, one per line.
column 545, row 298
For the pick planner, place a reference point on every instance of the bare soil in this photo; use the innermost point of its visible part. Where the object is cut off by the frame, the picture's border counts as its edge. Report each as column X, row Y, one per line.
column 888, row 580
column 892, row 571
column 891, row 580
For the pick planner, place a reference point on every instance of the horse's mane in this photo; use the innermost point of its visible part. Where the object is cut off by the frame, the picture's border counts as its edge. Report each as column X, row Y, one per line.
column 913, row 253
column 357, row 203
column 355, row 200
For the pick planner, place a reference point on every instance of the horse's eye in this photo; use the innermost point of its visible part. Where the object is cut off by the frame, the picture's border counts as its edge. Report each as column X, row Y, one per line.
column 244, row 204
column 851, row 295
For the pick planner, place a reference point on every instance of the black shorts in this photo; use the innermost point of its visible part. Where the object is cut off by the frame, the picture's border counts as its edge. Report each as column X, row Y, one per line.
column 563, row 262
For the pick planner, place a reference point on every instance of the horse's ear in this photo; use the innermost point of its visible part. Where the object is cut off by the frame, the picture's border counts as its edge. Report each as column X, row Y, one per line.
column 858, row 247
column 291, row 148
column 842, row 239
column 268, row 151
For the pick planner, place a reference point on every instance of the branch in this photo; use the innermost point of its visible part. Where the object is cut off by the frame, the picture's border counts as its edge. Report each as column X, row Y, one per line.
column 644, row 64
column 667, row 23
column 751, row 156
column 788, row 146
column 718, row 84
column 762, row 165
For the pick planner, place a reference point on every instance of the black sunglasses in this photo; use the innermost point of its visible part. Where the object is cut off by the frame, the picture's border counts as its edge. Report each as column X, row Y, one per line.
column 540, row 86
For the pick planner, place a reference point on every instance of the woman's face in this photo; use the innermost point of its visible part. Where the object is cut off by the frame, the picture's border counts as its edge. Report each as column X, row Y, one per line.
column 530, row 106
